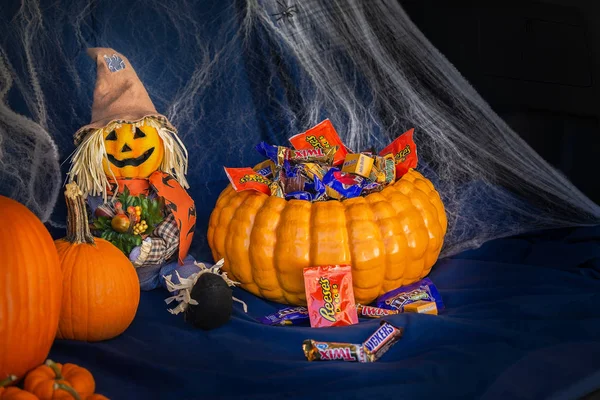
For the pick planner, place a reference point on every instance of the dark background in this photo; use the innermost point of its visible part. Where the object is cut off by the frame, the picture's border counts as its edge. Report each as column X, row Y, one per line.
column 536, row 63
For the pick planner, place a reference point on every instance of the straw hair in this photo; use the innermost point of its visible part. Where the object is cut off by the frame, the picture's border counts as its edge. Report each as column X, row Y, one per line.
column 86, row 164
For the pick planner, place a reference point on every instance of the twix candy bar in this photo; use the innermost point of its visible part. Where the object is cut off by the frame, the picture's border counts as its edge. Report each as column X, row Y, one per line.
column 322, row 136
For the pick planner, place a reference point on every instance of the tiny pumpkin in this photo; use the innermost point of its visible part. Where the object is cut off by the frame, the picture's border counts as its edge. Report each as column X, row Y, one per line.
column 54, row 381
column 101, row 287
column 132, row 151
column 14, row 393
column 390, row 238
column 30, row 289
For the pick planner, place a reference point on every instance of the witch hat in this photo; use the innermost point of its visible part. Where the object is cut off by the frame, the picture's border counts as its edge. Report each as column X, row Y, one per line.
column 119, row 95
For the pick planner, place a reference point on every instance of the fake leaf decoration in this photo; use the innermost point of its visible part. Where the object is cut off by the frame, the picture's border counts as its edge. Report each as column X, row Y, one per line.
column 151, row 213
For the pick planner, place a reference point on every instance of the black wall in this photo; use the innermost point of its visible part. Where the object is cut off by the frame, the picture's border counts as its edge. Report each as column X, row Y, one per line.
column 537, row 64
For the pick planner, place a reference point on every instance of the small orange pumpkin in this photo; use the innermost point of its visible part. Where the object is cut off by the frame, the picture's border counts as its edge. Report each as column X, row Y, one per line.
column 391, row 238
column 13, row 393
column 54, row 381
column 30, row 289
column 101, row 287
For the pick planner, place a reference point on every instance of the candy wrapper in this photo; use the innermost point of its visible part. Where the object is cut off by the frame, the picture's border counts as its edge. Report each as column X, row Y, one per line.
column 398, row 299
column 331, row 351
column 341, row 185
column 321, row 168
column 380, row 342
column 373, row 312
column 247, row 179
column 371, row 350
column 404, row 151
column 287, row 316
column 330, row 296
column 321, row 136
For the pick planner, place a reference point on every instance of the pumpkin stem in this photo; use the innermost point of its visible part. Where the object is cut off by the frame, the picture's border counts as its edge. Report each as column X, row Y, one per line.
column 55, row 369
column 68, row 389
column 78, row 229
column 9, row 379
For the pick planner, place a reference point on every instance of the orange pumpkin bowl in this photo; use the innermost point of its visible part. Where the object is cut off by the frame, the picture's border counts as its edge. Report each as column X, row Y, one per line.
column 390, row 238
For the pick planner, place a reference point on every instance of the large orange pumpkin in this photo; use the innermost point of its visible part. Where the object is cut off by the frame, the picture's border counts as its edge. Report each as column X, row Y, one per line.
column 101, row 288
column 30, row 290
column 391, row 238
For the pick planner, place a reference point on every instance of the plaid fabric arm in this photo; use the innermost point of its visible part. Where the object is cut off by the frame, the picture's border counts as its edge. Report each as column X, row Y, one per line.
column 161, row 244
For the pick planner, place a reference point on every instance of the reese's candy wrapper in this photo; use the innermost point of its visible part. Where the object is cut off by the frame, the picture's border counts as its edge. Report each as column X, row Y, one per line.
column 404, row 151
column 287, row 316
column 342, row 185
column 321, row 136
column 247, row 179
column 373, row 312
column 399, row 298
column 331, row 351
column 381, row 340
column 330, row 296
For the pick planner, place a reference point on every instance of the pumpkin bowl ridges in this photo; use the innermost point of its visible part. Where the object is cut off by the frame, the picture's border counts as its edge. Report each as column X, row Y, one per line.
column 391, row 238
column 30, row 290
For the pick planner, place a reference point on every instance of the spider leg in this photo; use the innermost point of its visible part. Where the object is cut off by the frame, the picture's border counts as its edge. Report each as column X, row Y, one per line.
column 282, row 5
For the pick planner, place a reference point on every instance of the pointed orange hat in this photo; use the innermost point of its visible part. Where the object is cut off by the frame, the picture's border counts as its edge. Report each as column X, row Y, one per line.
column 119, row 95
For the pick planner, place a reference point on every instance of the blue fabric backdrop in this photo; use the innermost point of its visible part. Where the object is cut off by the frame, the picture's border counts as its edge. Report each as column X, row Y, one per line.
column 522, row 314
column 521, row 322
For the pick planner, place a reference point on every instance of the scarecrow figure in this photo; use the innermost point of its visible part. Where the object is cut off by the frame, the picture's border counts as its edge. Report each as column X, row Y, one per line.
column 131, row 166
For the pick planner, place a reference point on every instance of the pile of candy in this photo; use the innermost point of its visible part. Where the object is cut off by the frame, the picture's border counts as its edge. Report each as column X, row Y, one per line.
column 320, row 167
column 330, row 300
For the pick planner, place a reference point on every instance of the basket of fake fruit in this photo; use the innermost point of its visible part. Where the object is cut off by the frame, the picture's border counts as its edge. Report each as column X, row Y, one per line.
column 318, row 203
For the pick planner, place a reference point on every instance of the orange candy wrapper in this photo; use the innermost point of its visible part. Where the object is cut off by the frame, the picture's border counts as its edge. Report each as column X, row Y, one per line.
column 322, row 136
column 404, row 150
column 248, row 179
column 330, row 296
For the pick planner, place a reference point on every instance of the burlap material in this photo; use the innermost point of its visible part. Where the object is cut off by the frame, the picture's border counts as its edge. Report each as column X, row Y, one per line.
column 119, row 95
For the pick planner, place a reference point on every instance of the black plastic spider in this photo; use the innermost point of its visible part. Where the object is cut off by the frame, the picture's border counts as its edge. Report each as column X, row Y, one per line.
column 286, row 12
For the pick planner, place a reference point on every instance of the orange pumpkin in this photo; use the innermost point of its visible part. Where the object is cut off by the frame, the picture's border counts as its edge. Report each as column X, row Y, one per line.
column 13, row 393
column 54, row 381
column 101, row 288
column 391, row 238
column 132, row 151
column 30, row 289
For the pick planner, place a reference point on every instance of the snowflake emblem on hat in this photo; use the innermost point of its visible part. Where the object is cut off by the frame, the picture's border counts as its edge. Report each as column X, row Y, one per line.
column 114, row 63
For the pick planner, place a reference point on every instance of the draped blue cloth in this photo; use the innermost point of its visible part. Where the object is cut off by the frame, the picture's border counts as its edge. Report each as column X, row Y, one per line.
column 522, row 316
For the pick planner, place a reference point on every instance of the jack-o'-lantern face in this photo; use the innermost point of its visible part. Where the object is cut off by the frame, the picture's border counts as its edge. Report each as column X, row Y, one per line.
column 132, row 152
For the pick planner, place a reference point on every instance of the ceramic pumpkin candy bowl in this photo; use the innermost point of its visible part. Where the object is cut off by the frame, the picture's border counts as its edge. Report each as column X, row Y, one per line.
column 390, row 238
